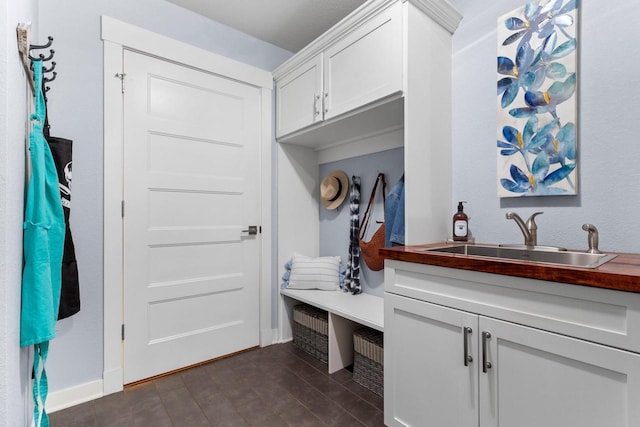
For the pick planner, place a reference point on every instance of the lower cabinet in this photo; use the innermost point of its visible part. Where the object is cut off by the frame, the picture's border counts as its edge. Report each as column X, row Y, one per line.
column 426, row 382
column 449, row 367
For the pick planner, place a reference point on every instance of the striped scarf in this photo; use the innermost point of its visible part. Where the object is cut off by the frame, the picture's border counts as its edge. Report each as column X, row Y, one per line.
column 352, row 280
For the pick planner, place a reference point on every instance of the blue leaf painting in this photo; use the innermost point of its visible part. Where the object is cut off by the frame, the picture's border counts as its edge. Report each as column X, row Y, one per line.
column 536, row 89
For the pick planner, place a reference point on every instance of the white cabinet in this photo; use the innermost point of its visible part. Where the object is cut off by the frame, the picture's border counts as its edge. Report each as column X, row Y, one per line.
column 539, row 378
column 299, row 97
column 360, row 67
column 450, row 367
column 365, row 65
column 426, row 382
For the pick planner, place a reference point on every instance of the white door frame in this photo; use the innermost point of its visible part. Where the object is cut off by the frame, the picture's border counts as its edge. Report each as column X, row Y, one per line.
column 118, row 36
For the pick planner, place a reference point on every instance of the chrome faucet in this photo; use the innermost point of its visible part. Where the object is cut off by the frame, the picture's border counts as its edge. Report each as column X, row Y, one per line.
column 529, row 229
column 593, row 238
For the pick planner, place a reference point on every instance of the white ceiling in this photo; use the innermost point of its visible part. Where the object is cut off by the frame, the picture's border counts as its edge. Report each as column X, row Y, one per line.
column 289, row 24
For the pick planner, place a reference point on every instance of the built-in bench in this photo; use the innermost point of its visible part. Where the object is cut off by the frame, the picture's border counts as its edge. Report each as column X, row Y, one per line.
column 346, row 313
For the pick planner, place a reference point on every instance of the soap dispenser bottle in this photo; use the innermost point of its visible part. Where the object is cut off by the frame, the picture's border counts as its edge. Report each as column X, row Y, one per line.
column 460, row 224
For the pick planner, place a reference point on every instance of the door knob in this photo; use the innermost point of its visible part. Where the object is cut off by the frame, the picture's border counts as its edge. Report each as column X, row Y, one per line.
column 252, row 230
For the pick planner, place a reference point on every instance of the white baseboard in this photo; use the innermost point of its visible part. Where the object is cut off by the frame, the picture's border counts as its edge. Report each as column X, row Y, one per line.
column 72, row 396
column 275, row 333
column 268, row 337
column 112, row 381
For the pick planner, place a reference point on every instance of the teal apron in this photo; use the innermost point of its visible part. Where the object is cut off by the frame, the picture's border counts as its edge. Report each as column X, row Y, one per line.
column 44, row 230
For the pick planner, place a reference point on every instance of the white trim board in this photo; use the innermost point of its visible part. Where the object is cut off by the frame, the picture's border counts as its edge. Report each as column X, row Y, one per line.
column 62, row 399
column 155, row 44
column 368, row 144
column 118, row 36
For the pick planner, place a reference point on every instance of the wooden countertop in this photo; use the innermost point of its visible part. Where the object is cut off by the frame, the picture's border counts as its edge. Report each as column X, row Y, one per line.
column 621, row 273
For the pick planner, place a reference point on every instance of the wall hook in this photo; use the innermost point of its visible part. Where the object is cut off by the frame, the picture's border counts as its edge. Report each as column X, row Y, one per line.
column 48, row 70
column 42, row 58
column 43, row 46
column 47, row 79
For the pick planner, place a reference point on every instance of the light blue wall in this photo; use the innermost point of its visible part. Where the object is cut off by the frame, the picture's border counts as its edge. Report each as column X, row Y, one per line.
column 609, row 107
column 75, row 105
column 14, row 115
column 334, row 224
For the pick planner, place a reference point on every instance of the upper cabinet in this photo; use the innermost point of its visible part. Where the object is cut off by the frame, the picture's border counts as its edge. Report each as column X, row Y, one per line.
column 353, row 80
column 359, row 67
column 299, row 97
column 365, row 65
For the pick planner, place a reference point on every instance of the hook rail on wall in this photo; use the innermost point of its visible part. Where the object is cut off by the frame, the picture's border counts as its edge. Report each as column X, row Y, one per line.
column 25, row 47
column 41, row 57
column 23, row 31
column 49, row 75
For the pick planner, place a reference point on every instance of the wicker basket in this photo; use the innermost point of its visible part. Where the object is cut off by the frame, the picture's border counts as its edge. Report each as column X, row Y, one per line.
column 310, row 330
column 368, row 365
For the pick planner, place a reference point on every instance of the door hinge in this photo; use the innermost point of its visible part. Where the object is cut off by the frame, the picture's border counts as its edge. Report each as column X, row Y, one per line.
column 121, row 76
column 122, row 209
column 123, row 332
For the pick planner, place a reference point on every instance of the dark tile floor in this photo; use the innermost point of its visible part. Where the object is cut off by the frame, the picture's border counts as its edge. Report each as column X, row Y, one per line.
column 275, row 386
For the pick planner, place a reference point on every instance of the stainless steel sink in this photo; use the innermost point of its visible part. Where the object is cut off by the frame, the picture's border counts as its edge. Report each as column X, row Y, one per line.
column 535, row 248
column 547, row 255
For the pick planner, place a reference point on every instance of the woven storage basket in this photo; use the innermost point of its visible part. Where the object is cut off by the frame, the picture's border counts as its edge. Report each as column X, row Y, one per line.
column 368, row 365
column 310, row 330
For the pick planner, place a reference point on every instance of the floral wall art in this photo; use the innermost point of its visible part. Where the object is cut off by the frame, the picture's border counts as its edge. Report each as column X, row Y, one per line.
column 536, row 101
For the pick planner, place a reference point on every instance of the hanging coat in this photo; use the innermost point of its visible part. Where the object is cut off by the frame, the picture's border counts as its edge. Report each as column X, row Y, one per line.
column 44, row 231
column 394, row 215
column 61, row 150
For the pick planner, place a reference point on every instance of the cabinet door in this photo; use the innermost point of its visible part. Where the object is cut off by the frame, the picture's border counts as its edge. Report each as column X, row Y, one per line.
column 365, row 65
column 538, row 378
column 426, row 381
column 299, row 97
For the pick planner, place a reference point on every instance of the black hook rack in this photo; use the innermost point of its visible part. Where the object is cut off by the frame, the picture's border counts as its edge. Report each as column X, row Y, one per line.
column 45, row 79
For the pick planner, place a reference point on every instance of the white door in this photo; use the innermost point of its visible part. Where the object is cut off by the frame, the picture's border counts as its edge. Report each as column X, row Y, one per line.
column 538, row 378
column 429, row 379
column 191, row 185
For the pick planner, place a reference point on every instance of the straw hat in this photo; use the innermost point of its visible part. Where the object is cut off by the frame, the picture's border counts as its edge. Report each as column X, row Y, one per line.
column 333, row 189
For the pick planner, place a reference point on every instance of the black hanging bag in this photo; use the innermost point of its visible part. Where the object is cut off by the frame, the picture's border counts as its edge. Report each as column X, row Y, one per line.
column 61, row 150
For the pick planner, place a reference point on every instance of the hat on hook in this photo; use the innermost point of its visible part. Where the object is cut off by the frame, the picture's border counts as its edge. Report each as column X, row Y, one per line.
column 333, row 189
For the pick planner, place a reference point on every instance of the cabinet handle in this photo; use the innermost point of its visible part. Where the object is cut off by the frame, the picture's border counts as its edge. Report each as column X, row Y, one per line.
column 316, row 110
column 485, row 363
column 466, row 331
column 324, row 102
